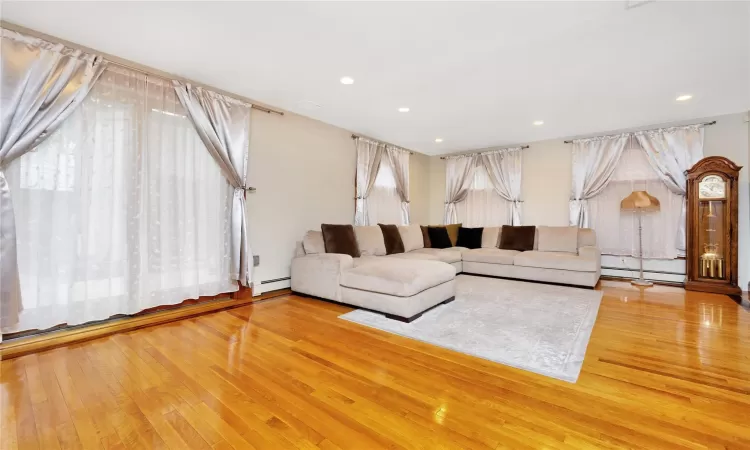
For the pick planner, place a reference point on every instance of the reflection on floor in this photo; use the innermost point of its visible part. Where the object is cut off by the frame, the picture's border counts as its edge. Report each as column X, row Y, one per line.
column 664, row 369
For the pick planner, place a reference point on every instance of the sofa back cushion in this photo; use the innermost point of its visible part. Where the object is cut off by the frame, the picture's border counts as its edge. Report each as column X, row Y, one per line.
column 340, row 239
column 411, row 236
column 469, row 237
column 370, row 240
column 439, row 237
column 392, row 238
column 490, row 237
column 586, row 237
column 519, row 238
column 558, row 239
column 313, row 243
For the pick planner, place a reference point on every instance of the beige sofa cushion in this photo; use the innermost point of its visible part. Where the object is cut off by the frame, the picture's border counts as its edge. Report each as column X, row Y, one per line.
column 370, row 240
column 558, row 239
column 490, row 237
column 411, row 236
column 556, row 260
column 398, row 277
column 448, row 255
column 490, row 255
column 313, row 243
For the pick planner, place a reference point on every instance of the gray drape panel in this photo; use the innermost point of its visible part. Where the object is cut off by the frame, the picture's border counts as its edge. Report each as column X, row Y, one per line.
column 672, row 151
column 399, row 160
column 458, row 178
column 594, row 161
column 504, row 168
column 369, row 155
column 223, row 125
column 42, row 83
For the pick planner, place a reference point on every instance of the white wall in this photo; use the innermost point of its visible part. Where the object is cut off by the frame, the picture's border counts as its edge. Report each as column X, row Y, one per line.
column 547, row 178
column 419, row 184
column 303, row 171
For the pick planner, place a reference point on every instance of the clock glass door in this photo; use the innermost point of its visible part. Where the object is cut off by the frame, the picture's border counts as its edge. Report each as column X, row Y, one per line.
column 712, row 230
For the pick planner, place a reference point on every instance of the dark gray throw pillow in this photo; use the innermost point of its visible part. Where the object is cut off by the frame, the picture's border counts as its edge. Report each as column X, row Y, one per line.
column 439, row 237
column 517, row 238
column 340, row 239
column 469, row 237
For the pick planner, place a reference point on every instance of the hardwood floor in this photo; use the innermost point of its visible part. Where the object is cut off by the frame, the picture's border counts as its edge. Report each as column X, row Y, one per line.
column 664, row 369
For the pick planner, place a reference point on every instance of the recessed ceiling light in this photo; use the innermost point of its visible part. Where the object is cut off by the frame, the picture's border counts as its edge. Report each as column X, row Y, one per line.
column 438, row 140
column 403, row 109
column 684, row 98
column 347, row 80
column 538, row 122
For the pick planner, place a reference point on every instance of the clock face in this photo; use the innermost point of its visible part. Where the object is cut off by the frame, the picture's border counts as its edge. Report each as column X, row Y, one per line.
column 712, row 187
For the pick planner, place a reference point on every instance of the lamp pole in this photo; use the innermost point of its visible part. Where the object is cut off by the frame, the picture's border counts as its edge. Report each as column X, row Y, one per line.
column 641, row 281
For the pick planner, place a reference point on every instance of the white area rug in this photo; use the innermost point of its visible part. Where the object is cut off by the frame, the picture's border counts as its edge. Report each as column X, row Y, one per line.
column 531, row 326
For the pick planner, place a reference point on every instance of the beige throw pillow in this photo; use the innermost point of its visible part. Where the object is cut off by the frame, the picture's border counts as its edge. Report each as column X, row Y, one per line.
column 370, row 240
column 313, row 243
column 558, row 239
column 490, row 237
column 411, row 236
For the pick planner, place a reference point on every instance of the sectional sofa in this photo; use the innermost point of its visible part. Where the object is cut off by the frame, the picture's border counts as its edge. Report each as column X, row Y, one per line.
column 404, row 285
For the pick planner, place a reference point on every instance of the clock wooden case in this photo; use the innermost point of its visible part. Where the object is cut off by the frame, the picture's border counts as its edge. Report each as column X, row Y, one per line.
column 712, row 226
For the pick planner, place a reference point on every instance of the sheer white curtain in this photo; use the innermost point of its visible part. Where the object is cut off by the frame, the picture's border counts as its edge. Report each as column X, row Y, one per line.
column 398, row 160
column 459, row 174
column 617, row 231
column 121, row 209
column 672, row 151
column 369, row 156
column 384, row 202
column 505, row 169
column 483, row 206
column 594, row 161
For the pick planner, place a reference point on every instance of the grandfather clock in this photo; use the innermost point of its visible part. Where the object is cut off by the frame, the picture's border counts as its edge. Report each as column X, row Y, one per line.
column 712, row 226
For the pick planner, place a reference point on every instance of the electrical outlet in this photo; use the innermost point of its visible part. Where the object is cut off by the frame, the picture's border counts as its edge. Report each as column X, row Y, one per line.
column 256, row 260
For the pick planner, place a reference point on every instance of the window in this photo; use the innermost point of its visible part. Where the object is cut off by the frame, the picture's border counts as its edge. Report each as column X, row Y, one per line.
column 483, row 206
column 617, row 231
column 120, row 210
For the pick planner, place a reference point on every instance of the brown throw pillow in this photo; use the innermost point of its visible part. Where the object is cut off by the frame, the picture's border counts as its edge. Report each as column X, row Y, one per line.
column 426, row 237
column 453, row 232
column 340, row 239
column 517, row 238
column 393, row 242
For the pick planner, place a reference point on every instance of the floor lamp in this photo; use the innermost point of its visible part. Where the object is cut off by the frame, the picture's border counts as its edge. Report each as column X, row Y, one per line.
column 640, row 202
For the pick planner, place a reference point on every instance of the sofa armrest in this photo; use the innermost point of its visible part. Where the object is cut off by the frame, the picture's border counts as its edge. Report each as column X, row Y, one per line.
column 590, row 252
column 319, row 274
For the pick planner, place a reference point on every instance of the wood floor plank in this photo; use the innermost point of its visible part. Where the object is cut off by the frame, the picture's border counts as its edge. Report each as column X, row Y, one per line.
column 664, row 369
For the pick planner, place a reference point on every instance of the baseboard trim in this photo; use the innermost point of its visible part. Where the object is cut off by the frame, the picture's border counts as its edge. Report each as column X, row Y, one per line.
column 46, row 341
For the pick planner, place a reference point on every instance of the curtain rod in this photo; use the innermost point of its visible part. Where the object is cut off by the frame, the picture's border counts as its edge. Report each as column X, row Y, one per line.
column 354, row 136
column 705, row 124
column 112, row 59
column 169, row 78
column 480, row 153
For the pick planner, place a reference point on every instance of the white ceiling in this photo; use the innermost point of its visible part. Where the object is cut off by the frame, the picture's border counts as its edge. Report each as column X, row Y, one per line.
column 475, row 74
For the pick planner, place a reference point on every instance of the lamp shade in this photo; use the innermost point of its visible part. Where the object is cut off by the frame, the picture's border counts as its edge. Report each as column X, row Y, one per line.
column 639, row 201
